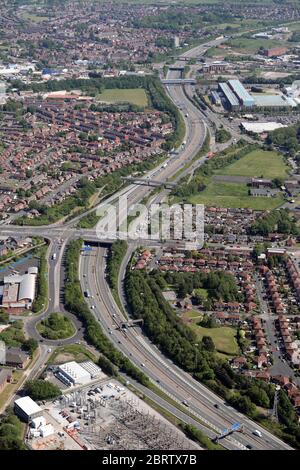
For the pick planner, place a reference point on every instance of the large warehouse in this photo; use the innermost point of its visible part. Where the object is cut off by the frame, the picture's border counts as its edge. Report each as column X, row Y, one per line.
column 231, row 100
column 27, row 409
column 245, row 99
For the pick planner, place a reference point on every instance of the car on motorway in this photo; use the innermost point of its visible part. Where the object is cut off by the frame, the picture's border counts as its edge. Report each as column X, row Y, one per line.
column 185, row 403
column 110, row 332
column 216, row 405
column 142, row 364
column 257, row 433
column 248, row 446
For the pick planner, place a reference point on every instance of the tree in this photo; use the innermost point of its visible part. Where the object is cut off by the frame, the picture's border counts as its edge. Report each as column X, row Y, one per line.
column 208, row 343
column 41, row 390
column 4, row 317
column 258, row 396
column 30, row 345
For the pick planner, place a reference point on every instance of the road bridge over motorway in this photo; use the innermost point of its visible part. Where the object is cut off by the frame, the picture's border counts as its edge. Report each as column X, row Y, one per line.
column 179, row 81
column 149, row 182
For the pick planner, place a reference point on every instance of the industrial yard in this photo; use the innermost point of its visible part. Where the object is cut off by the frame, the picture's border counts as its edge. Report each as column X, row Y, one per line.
column 107, row 416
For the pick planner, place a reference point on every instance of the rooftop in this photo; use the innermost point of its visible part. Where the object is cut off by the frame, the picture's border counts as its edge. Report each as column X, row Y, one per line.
column 28, row 405
column 273, row 100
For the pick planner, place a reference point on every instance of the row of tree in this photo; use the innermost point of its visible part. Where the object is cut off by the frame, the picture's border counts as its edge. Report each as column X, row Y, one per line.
column 280, row 221
column 75, row 303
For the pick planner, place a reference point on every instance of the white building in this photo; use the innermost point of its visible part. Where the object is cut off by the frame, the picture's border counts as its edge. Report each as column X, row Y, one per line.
column 2, row 352
column 46, row 430
column 38, row 422
column 71, row 373
column 261, row 127
column 27, row 409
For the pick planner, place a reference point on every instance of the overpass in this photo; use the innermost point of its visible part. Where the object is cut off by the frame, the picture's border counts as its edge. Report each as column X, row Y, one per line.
column 149, row 182
column 179, row 81
column 178, row 68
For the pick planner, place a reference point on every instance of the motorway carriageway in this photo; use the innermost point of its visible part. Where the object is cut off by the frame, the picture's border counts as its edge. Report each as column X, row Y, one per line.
column 173, row 381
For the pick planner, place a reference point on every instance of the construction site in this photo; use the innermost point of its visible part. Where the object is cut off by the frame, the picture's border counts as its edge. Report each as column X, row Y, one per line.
column 108, row 417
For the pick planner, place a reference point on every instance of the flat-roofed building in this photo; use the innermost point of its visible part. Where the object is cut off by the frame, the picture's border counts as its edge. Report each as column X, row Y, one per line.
column 274, row 101
column 244, row 97
column 71, row 373
column 91, row 368
column 27, row 409
column 275, row 51
column 231, row 100
column 261, row 127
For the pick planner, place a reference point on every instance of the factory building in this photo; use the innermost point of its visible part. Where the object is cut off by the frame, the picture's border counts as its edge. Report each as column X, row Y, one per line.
column 18, row 291
column 27, row 409
column 245, row 99
column 261, row 127
column 72, row 373
column 274, row 101
column 275, row 51
column 215, row 66
column 230, row 98
column 215, row 98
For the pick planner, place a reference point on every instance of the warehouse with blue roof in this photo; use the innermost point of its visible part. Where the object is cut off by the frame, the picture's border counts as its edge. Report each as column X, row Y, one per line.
column 231, row 100
column 244, row 97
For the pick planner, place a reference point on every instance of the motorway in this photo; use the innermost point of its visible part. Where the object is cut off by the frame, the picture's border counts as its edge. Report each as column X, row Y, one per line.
column 172, row 380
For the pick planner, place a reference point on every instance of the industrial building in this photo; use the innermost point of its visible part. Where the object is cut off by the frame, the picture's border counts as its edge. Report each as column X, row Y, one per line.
column 244, row 97
column 274, row 101
column 18, row 291
column 215, row 66
column 72, row 373
column 230, row 98
column 215, row 98
column 275, row 51
column 261, row 127
column 27, row 409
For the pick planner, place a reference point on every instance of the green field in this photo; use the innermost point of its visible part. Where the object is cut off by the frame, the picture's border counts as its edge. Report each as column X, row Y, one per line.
column 258, row 163
column 34, row 18
column 244, row 46
column 135, row 96
column 234, row 195
column 71, row 352
column 223, row 338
